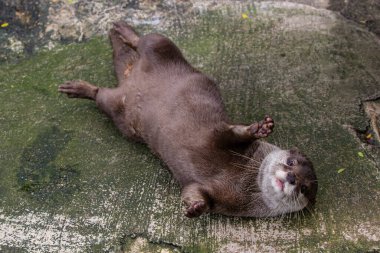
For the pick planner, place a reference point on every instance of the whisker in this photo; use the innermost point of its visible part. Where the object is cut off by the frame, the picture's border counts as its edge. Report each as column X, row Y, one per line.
column 244, row 156
column 244, row 166
column 311, row 212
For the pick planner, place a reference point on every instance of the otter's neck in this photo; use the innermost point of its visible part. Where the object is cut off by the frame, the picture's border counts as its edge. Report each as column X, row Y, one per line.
column 251, row 183
column 256, row 154
column 259, row 150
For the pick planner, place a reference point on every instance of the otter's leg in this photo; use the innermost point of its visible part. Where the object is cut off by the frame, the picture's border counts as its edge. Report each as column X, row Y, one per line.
column 79, row 89
column 231, row 134
column 256, row 130
column 108, row 100
column 195, row 200
column 153, row 49
column 123, row 56
column 127, row 34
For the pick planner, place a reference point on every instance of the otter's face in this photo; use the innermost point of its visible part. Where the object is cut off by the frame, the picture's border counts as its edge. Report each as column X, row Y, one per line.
column 288, row 181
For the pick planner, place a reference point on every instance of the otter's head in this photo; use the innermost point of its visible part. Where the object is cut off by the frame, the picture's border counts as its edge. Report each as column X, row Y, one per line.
column 287, row 181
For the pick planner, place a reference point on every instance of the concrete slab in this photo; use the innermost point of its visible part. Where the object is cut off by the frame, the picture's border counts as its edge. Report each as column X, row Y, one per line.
column 69, row 182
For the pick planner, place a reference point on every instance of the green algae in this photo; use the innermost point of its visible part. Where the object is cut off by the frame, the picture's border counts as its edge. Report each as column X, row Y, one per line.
column 39, row 176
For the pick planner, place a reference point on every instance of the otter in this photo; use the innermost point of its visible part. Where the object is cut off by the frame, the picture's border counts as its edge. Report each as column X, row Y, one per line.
column 178, row 112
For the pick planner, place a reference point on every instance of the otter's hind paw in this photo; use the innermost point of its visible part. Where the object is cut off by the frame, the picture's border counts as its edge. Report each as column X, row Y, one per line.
column 127, row 33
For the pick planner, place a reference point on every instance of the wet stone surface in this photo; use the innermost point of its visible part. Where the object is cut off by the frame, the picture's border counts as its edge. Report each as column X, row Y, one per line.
column 69, row 182
column 40, row 176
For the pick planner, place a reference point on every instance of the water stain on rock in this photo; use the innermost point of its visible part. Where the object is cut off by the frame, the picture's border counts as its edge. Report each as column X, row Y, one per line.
column 39, row 175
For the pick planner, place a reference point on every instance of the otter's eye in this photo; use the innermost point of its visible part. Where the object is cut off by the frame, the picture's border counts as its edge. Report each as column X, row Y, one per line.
column 291, row 162
column 303, row 188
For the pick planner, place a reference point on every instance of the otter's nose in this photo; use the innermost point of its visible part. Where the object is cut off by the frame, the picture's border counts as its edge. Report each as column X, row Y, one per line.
column 291, row 178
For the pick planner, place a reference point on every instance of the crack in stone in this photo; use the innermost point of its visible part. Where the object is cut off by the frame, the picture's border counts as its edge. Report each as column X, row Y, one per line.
column 371, row 134
column 160, row 243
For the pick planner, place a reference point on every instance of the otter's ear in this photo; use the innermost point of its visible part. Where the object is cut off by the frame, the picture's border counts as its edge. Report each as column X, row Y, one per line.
column 294, row 150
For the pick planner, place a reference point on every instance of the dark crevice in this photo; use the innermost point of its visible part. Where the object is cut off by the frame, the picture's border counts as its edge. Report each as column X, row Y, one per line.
column 370, row 133
column 372, row 98
column 371, row 107
column 366, row 136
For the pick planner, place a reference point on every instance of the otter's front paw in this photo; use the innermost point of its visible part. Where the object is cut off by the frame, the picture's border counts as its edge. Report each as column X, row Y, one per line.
column 195, row 209
column 263, row 128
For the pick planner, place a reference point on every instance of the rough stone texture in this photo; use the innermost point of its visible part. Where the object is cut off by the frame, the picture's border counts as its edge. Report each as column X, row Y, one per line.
column 364, row 12
column 44, row 24
column 69, row 182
